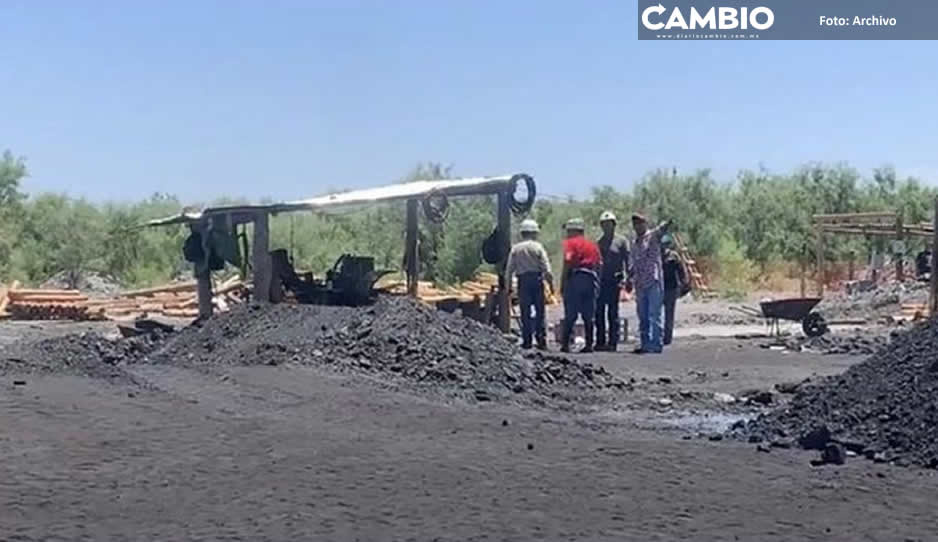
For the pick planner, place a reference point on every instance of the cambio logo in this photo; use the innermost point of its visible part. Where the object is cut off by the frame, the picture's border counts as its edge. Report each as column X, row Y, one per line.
column 760, row 18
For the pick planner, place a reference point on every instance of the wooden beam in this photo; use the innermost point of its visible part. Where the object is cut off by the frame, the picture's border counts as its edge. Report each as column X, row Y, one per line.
column 856, row 218
column 410, row 250
column 504, row 247
column 879, row 232
column 261, row 257
column 933, row 292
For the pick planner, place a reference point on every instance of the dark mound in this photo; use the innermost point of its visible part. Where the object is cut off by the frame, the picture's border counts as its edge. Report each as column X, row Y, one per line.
column 857, row 344
column 85, row 354
column 885, row 408
column 399, row 339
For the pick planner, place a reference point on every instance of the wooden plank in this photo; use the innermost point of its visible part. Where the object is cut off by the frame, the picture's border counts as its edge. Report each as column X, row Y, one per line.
column 39, row 291
column 856, row 218
column 166, row 288
column 36, row 298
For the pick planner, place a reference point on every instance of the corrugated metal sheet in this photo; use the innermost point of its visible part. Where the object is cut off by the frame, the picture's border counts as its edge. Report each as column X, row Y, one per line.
column 417, row 189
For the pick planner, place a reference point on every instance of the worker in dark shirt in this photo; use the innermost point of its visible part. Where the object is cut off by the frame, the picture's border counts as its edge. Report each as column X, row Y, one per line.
column 579, row 282
column 675, row 284
column 614, row 250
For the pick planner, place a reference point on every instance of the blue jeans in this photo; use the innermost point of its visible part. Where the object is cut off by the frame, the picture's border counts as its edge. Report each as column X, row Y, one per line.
column 579, row 300
column 648, row 301
column 531, row 295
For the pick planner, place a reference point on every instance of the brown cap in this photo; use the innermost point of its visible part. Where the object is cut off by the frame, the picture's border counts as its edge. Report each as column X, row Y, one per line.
column 639, row 216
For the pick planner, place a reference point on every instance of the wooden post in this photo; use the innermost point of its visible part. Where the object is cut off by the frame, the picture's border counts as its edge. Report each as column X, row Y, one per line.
column 900, row 235
column 410, row 250
column 804, row 264
column 206, row 308
column 504, row 247
column 261, row 257
column 851, row 266
column 203, row 275
column 933, row 292
column 820, row 263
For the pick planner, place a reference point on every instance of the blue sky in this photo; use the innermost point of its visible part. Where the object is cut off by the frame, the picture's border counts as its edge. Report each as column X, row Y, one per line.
column 116, row 100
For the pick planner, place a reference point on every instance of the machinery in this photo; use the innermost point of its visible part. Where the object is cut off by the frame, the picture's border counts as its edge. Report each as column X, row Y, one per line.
column 349, row 282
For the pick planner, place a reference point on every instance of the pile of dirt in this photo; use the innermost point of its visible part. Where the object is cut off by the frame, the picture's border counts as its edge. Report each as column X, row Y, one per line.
column 885, row 408
column 84, row 354
column 855, row 344
column 398, row 339
column 90, row 283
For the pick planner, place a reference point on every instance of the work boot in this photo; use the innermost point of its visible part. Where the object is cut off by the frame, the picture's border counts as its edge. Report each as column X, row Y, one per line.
column 588, row 330
column 525, row 346
column 542, row 346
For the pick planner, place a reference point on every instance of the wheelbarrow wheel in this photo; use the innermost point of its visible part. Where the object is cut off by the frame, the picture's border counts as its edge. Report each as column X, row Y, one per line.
column 814, row 325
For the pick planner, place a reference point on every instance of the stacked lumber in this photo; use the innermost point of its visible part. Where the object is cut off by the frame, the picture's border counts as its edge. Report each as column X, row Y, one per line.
column 177, row 300
column 29, row 304
column 463, row 292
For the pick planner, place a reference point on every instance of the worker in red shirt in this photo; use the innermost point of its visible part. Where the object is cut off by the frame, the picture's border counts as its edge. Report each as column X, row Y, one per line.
column 579, row 283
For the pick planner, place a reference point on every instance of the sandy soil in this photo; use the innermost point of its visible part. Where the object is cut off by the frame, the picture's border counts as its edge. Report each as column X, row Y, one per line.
column 274, row 453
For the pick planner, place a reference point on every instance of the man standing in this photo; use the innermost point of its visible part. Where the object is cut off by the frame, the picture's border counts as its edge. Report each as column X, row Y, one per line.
column 675, row 284
column 645, row 275
column 579, row 282
column 614, row 250
column 529, row 261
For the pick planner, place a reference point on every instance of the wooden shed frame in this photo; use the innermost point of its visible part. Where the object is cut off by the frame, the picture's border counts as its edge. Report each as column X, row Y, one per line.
column 885, row 224
column 228, row 217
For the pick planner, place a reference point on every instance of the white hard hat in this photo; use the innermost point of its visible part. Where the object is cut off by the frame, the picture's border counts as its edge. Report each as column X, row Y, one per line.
column 607, row 216
column 576, row 224
column 529, row 226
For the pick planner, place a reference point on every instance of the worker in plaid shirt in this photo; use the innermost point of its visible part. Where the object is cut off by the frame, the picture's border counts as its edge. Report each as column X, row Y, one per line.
column 646, row 276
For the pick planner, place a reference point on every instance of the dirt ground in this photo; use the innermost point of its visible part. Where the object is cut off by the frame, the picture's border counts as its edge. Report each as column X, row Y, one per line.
column 289, row 453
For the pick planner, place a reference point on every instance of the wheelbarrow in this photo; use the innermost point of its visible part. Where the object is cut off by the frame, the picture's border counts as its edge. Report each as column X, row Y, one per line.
column 795, row 310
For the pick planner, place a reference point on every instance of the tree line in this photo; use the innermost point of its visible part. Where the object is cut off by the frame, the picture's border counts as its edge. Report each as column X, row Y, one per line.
column 738, row 229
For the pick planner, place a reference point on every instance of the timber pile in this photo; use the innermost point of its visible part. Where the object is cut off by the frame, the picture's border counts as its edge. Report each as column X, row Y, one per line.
column 463, row 293
column 178, row 300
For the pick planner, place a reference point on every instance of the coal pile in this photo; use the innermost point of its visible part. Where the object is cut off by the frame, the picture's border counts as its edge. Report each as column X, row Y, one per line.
column 856, row 344
column 885, row 408
column 881, row 302
column 84, row 354
column 397, row 339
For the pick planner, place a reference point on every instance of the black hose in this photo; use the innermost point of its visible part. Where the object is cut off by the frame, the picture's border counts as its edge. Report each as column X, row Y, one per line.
column 520, row 208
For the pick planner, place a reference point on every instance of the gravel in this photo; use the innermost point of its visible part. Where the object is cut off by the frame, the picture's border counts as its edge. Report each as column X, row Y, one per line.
column 84, row 354
column 876, row 304
column 858, row 343
column 401, row 342
column 885, row 408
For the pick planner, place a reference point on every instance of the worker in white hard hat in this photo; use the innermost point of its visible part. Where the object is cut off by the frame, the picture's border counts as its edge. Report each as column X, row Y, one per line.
column 580, row 280
column 614, row 250
column 529, row 261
